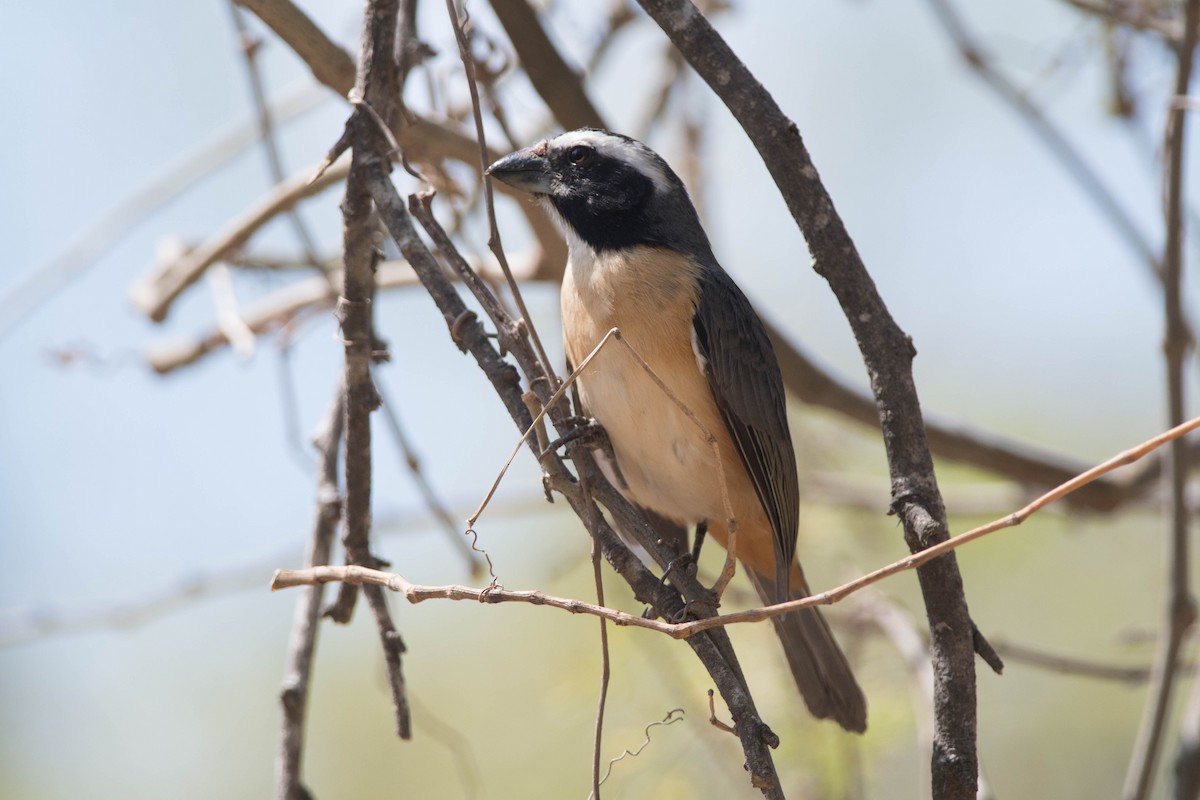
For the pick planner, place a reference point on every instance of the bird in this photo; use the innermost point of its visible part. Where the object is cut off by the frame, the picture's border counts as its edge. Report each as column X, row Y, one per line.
column 640, row 261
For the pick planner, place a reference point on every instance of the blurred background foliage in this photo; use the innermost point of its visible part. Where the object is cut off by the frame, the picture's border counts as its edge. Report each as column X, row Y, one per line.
column 141, row 516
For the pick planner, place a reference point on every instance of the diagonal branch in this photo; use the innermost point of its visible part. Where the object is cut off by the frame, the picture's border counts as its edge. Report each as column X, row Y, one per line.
column 330, row 64
column 154, row 293
column 887, row 352
column 713, row 649
column 552, row 77
column 266, row 129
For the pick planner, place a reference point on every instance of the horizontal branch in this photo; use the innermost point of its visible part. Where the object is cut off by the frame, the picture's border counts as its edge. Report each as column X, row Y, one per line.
column 415, row 593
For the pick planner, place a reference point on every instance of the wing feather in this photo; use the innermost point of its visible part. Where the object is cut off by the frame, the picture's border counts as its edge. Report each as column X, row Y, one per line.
column 744, row 377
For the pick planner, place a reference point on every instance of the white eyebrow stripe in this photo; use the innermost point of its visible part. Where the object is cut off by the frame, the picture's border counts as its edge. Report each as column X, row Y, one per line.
column 636, row 155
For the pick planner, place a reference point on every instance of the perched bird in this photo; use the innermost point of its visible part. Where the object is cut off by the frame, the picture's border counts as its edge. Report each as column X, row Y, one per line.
column 641, row 262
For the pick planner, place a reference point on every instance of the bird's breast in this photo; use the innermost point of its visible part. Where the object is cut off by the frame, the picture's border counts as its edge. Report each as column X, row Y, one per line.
column 662, row 450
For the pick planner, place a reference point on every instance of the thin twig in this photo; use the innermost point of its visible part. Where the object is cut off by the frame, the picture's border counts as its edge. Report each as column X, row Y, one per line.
column 673, row 716
column 1181, row 604
column 489, row 199
column 266, row 128
column 153, row 294
column 605, row 662
column 293, row 696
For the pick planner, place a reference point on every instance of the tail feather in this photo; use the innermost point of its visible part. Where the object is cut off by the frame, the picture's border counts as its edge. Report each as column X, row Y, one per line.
column 818, row 665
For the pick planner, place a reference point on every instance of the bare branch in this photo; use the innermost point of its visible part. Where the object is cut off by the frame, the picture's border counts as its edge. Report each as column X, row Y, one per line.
column 1013, row 460
column 1181, row 604
column 376, row 88
column 1071, row 665
column 330, row 64
column 154, row 293
column 887, row 353
column 293, row 696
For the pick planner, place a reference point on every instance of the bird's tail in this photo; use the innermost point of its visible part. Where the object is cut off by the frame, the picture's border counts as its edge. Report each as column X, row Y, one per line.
column 819, row 666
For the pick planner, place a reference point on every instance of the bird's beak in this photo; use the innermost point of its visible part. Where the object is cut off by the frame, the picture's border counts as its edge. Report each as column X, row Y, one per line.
column 527, row 170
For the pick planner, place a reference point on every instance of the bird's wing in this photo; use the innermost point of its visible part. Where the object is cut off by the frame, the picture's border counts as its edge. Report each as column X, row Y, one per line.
column 744, row 378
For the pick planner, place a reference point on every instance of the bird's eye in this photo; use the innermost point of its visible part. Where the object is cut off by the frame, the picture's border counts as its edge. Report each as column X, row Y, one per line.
column 579, row 154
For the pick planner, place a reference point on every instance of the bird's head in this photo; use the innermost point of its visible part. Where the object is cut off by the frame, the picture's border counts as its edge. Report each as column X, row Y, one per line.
column 612, row 192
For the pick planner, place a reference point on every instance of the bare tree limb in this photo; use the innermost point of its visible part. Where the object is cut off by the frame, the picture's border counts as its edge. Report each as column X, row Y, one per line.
column 887, row 352
column 330, row 64
column 378, row 87
column 1071, row 665
column 812, row 384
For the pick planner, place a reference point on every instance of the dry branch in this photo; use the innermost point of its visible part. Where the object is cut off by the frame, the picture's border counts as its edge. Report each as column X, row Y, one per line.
column 154, row 293
column 330, row 64
column 378, row 87
column 293, row 696
column 887, row 353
